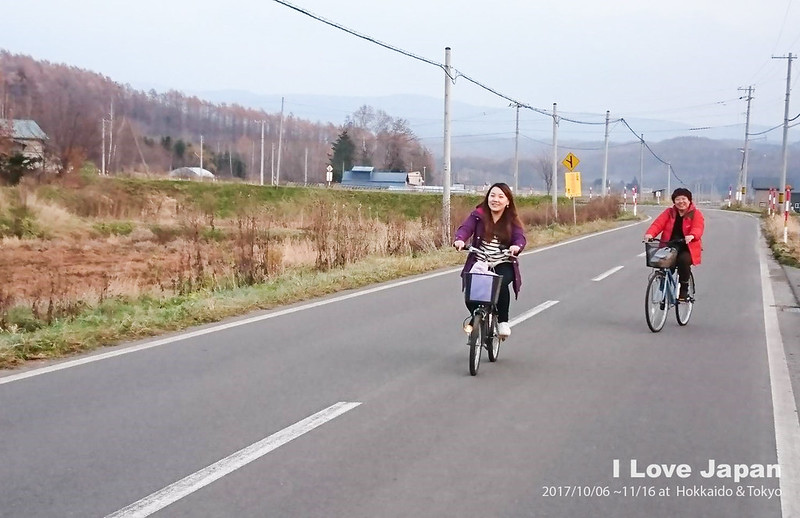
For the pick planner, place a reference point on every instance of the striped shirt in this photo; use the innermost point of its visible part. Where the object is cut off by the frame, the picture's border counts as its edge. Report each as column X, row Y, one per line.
column 492, row 251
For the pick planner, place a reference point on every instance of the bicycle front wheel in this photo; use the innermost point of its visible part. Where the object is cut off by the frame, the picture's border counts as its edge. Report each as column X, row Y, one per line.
column 475, row 342
column 655, row 302
column 683, row 310
column 492, row 339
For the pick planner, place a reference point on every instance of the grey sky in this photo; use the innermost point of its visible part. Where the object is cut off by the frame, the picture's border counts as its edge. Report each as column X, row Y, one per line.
column 680, row 59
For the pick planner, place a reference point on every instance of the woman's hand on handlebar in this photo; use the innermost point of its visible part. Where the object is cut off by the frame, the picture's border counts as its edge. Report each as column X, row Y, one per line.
column 514, row 249
column 458, row 244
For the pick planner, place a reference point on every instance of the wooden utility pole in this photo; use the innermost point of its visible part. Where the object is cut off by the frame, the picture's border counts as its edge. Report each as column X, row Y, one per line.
column 782, row 186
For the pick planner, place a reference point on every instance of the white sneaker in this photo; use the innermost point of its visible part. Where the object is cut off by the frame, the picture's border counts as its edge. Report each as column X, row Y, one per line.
column 503, row 329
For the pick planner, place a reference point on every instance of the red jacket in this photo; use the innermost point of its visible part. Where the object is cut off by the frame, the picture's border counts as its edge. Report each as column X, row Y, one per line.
column 693, row 224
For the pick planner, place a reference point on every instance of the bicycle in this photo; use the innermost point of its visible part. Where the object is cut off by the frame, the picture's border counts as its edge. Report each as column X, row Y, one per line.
column 662, row 286
column 483, row 289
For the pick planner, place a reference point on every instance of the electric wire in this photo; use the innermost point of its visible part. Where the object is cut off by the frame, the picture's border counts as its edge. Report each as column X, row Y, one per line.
column 453, row 76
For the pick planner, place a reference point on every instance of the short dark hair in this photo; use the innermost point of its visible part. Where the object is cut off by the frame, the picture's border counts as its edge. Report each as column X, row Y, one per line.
column 681, row 191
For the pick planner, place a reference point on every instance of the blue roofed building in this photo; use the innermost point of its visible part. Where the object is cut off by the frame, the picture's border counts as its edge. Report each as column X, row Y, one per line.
column 367, row 177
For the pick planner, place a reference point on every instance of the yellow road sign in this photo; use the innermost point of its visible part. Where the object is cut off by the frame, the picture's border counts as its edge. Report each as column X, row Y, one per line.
column 571, row 161
column 572, row 183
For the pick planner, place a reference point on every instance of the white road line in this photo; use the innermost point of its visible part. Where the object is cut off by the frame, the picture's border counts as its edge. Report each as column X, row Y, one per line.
column 184, row 487
column 609, row 272
column 221, row 327
column 531, row 312
column 784, row 408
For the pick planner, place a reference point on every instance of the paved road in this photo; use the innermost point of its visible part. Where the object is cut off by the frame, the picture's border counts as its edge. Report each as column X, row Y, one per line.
column 361, row 405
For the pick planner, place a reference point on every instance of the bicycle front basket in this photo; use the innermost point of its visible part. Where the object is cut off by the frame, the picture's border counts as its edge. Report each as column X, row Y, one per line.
column 482, row 288
column 659, row 256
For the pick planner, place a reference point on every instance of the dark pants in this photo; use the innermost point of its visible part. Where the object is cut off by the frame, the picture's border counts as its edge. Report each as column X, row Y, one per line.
column 684, row 264
column 504, row 300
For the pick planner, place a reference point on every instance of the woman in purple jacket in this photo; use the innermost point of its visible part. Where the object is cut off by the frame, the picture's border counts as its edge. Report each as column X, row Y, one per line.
column 494, row 225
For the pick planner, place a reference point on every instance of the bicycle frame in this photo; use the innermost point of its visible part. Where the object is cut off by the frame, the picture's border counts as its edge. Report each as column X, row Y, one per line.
column 668, row 285
column 482, row 326
column 662, row 295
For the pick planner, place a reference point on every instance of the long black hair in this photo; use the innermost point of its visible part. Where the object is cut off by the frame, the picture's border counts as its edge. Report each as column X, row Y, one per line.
column 504, row 226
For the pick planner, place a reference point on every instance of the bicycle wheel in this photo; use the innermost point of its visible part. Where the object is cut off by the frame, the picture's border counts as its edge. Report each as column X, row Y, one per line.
column 655, row 302
column 474, row 342
column 683, row 310
column 492, row 339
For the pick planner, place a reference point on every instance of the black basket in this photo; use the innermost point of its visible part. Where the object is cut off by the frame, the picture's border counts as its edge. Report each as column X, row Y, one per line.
column 659, row 255
column 482, row 288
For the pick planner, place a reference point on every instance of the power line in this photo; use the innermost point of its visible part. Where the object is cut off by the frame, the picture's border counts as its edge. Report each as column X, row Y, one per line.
column 362, row 36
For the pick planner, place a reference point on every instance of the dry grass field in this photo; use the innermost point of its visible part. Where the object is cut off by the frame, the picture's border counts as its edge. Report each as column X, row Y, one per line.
column 68, row 249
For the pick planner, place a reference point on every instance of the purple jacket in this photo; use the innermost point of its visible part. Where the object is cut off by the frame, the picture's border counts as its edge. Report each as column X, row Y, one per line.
column 473, row 226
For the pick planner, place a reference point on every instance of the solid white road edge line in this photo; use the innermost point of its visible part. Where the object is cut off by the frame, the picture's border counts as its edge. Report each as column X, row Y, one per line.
column 784, row 408
column 184, row 487
column 221, row 327
column 609, row 272
column 531, row 312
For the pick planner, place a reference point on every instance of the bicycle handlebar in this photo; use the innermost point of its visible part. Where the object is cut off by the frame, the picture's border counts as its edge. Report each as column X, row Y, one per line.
column 666, row 243
column 509, row 256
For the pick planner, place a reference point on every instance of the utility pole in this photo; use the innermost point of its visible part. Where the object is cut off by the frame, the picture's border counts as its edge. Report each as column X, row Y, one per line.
column 446, row 165
column 305, row 170
column 669, row 181
column 280, row 140
column 262, row 151
column 272, row 163
column 555, row 162
column 746, row 156
column 605, row 159
column 103, row 153
column 201, row 152
column 782, row 186
column 516, row 153
column 110, row 134
column 641, row 165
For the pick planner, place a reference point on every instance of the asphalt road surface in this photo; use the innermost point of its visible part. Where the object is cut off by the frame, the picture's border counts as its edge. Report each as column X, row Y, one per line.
column 361, row 404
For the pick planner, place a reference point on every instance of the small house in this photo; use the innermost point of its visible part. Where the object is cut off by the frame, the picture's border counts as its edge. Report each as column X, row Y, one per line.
column 27, row 137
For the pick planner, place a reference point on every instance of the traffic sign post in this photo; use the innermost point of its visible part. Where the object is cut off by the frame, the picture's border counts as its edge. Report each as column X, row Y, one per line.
column 572, row 181
column 570, row 161
column 625, row 198
column 329, row 175
column 572, row 188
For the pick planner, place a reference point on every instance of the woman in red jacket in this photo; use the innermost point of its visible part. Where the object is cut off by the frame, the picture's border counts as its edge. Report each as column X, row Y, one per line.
column 494, row 225
column 681, row 221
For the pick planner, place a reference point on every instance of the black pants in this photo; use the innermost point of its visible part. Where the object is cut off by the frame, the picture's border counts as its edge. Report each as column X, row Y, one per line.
column 504, row 301
column 684, row 264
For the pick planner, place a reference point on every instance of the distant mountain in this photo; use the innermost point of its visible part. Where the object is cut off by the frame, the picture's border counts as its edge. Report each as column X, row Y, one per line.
column 483, row 128
column 483, row 141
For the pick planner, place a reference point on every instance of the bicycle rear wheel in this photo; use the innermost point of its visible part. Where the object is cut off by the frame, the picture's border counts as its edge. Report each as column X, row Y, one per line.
column 491, row 338
column 655, row 302
column 683, row 310
column 474, row 342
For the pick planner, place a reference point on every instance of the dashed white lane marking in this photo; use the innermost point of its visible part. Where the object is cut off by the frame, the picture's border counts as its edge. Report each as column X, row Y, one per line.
column 184, row 487
column 531, row 312
column 612, row 271
column 250, row 320
column 784, row 408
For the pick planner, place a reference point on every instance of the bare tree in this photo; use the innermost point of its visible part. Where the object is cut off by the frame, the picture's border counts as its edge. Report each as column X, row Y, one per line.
column 544, row 164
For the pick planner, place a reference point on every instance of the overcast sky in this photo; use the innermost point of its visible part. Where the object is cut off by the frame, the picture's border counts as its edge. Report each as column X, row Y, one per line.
column 681, row 60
